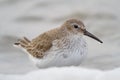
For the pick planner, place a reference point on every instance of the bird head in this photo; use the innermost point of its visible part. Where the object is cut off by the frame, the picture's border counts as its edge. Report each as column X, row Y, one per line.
column 76, row 27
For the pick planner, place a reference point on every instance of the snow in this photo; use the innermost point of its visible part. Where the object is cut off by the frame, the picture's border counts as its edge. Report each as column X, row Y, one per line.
column 66, row 73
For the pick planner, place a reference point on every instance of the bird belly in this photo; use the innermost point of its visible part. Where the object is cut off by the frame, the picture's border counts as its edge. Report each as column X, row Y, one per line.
column 71, row 55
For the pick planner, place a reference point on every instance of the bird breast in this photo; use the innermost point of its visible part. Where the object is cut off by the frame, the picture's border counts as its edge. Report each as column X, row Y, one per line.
column 67, row 51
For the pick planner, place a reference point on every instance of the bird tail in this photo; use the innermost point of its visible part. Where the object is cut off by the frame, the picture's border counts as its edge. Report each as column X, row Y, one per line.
column 22, row 42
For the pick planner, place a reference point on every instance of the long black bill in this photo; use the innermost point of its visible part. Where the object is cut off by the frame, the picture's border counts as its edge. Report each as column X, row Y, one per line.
column 91, row 35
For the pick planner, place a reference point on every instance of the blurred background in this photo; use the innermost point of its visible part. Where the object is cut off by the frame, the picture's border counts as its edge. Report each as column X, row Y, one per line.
column 30, row 18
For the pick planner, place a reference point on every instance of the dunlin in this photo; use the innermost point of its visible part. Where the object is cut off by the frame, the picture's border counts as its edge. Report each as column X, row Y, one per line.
column 62, row 46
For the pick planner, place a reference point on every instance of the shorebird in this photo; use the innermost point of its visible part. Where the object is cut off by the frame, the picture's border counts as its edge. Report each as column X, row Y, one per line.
column 62, row 46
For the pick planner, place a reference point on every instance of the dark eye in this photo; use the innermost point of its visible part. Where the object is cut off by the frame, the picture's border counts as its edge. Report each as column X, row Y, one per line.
column 75, row 26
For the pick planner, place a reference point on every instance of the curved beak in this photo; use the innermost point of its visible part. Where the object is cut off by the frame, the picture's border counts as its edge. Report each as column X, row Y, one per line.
column 92, row 36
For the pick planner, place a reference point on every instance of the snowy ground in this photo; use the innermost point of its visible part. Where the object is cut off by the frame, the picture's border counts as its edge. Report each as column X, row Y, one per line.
column 71, row 73
column 31, row 17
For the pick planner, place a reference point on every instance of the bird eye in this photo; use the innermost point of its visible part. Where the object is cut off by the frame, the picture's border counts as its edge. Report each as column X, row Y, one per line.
column 75, row 26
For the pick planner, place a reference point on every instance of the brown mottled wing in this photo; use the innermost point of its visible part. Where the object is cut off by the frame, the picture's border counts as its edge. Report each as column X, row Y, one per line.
column 40, row 45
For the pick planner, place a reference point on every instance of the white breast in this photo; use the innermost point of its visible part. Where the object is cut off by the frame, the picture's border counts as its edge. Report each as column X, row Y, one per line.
column 72, row 51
